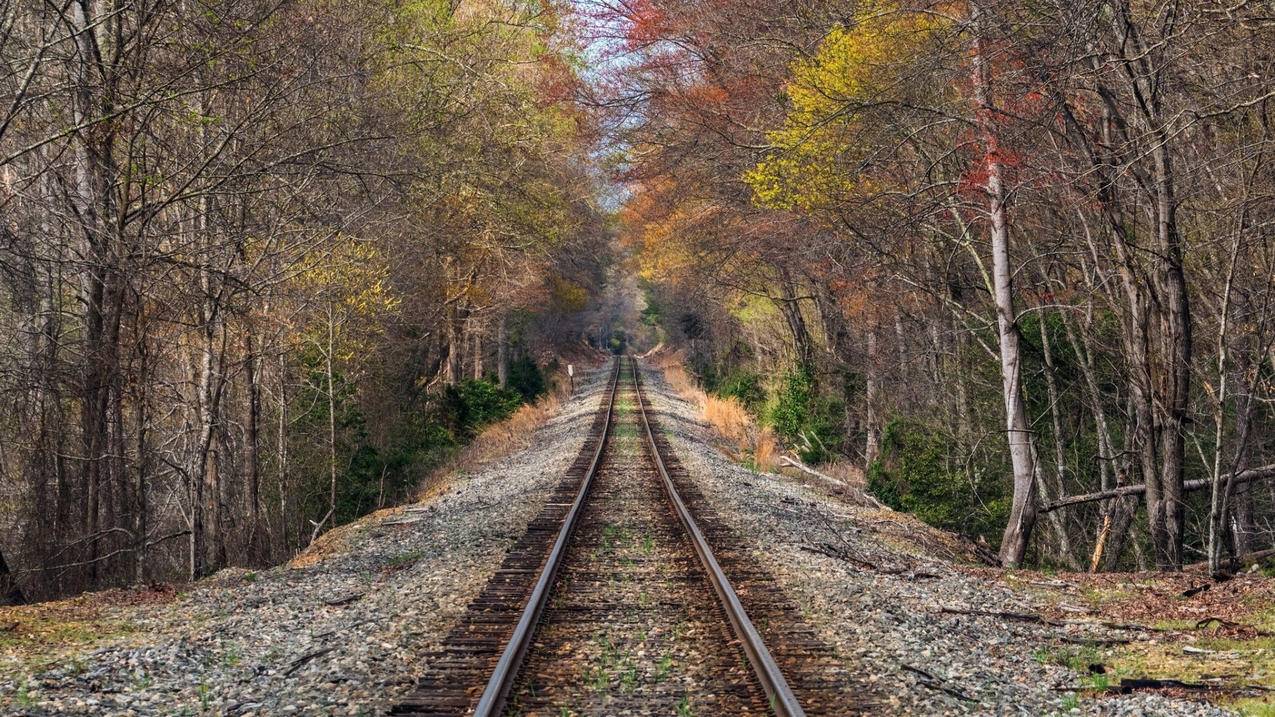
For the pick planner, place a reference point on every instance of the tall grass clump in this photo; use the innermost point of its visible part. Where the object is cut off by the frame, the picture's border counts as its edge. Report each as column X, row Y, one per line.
column 756, row 445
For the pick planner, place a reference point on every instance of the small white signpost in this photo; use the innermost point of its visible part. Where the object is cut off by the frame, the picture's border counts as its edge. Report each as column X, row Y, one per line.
column 571, row 374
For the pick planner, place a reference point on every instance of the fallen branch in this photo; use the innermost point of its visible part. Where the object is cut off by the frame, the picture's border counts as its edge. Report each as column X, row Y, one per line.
column 1221, row 623
column 908, row 572
column 935, row 683
column 300, row 661
column 831, row 552
column 858, row 494
column 1125, row 626
column 1004, row 615
column 1095, row 641
column 1252, row 474
column 1246, row 559
column 1129, row 684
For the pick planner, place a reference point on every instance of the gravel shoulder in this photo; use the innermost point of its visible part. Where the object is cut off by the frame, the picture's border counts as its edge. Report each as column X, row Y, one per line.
column 341, row 631
column 337, row 632
column 884, row 591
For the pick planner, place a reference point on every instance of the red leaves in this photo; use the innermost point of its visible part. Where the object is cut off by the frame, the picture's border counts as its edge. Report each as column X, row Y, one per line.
column 556, row 81
column 646, row 24
column 704, row 94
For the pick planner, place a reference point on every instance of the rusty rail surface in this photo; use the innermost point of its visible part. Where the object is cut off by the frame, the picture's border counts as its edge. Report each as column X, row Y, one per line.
column 476, row 670
column 782, row 699
column 502, row 678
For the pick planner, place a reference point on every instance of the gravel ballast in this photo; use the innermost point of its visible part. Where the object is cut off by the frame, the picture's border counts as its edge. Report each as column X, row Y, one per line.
column 344, row 634
column 338, row 637
column 895, row 613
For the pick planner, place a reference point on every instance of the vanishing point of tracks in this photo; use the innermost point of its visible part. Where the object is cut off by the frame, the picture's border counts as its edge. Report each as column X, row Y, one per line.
column 627, row 595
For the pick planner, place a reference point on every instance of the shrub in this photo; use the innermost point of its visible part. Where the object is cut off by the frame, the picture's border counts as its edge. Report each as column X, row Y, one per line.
column 476, row 403
column 745, row 387
column 526, row 378
column 920, row 471
column 805, row 419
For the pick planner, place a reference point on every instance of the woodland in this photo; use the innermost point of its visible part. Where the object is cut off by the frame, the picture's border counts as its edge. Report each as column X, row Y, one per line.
column 264, row 264
column 1012, row 258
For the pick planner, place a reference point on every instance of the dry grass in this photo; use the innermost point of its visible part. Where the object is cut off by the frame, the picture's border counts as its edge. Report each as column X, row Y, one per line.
column 846, row 472
column 728, row 418
column 496, row 441
column 36, row 637
column 766, row 450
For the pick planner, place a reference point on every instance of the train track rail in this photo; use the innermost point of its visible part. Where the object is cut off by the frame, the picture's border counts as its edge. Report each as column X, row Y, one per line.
column 627, row 595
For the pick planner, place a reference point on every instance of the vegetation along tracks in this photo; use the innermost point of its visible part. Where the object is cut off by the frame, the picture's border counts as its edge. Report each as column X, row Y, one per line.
column 626, row 594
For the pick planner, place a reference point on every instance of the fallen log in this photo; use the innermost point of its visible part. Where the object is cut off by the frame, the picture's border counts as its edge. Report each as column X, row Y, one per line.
column 1002, row 614
column 1095, row 641
column 1243, row 560
column 1248, row 476
column 1129, row 684
column 857, row 494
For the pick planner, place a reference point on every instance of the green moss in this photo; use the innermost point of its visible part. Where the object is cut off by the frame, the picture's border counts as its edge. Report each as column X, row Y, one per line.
column 404, row 560
column 1255, row 706
column 1077, row 658
column 47, row 636
column 1243, row 661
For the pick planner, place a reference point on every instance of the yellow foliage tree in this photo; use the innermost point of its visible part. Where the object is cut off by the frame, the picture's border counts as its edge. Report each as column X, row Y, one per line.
column 822, row 153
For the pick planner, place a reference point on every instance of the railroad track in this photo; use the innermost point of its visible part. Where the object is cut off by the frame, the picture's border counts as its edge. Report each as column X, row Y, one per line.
column 627, row 595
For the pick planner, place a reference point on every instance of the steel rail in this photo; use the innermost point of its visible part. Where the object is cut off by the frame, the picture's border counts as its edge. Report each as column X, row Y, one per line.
column 782, row 699
column 496, row 692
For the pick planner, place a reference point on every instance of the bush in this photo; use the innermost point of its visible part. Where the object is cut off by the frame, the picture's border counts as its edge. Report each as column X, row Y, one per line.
column 476, row 403
column 805, row 419
column 526, row 379
column 745, row 387
column 920, row 471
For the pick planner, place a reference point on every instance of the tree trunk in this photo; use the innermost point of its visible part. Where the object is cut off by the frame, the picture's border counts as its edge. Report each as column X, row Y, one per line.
column 1022, row 449
column 1164, row 501
column 871, row 419
column 141, row 521
column 455, row 336
column 1175, row 335
column 502, row 357
column 791, row 310
column 331, row 397
column 252, row 439
column 1058, row 526
column 10, row 591
column 281, row 454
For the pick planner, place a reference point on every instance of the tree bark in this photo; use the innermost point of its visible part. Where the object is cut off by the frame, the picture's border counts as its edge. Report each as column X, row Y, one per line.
column 1171, row 369
column 252, row 440
column 502, row 357
column 871, row 419
column 790, row 307
column 10, row 591
column 1022, row 449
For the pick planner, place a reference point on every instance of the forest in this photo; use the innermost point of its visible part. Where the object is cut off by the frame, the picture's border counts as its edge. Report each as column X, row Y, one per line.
column 265, row 264
column 1013, row 259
